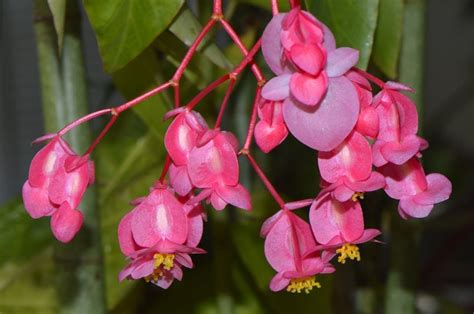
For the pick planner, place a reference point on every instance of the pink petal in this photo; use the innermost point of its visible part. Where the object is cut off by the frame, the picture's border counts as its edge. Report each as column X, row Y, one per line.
column 398, row 86
column 327, row 125
column 69, row 186
column 405, row 180
column 374, row 182
column 237, row 196
column 160, row 216
column 307, row 89
column 126, row 242
column 412, row 209
column 368, row 122
column 309, row 58
column 343, row 193
column 368, row 235
column 195, row 229
column 352, row 159
column 46, row 162
column 142, row 270
column 329, row 40
column 217, row 201
column 269, row 136
column 66, row 222
column 180, row 138
column 279, row 282
column 36, row 201
column 271, row 46
column 400, row 152
column 179, row 179
column 278, row 88
column 269, row 223
column 341, row 60
column 438, row 190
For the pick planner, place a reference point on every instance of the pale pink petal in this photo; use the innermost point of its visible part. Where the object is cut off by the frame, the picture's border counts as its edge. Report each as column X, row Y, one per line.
column 405, row 180
column 415, row 210
column 374, row 182
column 142, row 270
column 195, row 229
column 66, row 222
column 278, row 88
column 279, row 282
column 368, row 235
column 325, row 126
column 341, row 60
column 269, row 223
column 217, row 201
column 125, row 237
column 398, row 86
column 279, row 245
column 343, row 193
column 271, row 46
column 400, row 152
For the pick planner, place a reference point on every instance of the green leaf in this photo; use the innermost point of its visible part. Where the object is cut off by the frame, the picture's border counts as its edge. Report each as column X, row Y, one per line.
column 187, row 27
column 353, row 23
column 124, row 28
column 388, row 36
column 58, row 10
column 139, row 76
column 283, row 5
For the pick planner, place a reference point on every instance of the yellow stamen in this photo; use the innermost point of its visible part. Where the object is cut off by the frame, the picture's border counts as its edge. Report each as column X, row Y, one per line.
column 161, row 261
column 303, row 284
column 357, row 195
column 348, row 251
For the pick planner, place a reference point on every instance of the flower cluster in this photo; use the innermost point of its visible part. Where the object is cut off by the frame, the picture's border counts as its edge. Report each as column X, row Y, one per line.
column 56, row 184
column 364, row 143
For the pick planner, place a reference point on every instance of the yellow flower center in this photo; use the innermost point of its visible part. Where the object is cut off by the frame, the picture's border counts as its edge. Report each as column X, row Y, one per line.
column 303, row 284
column 357, row 196
column 161, row 261
column 348, row 251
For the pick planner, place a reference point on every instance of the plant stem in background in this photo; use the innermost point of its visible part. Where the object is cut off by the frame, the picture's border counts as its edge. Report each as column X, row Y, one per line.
column 402, row 277
column 79, row 267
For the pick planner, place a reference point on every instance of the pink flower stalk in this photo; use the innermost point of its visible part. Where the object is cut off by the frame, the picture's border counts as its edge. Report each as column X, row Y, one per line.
column 180, row 139
column 271, row 130
column 214, row 168
column 397, row 141
column 290, row 250
column 348, row 169
column 157, row 237
column 416, row 191
column 56, row 183
column 339, row 226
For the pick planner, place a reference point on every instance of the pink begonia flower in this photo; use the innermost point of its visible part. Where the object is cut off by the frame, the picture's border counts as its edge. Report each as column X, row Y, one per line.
column 180, row 138
column 289, row 249
column 397, row 141
column 368, row 122
column 339, row 226
column 270, row 130
column 348, row 169
column 416, row 191
column 214, row 168
column 157, row 237
column 319, row 109
column 57, row 181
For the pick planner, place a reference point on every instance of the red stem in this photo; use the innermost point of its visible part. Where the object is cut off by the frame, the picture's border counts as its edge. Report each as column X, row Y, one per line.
column 217, row 8
column 225, row 102
column 206, row 91
column 187, row 58
column 255, row 69
column 295, row 3
column 177, row 98
column 165, row 169
column 141, row 98
column 265, row 181
column 102, row 134
column 253, row 119
column 275, row 9
column 86, row 118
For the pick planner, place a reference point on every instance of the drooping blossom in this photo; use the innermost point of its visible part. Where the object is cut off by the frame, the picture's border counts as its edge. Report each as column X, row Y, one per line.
column 180, row 139
column 290, row 250
column 158, row 236
column 270, row 130
column 213, row 167
column 348, row 168
column 397, row 141
column 57, row 181
column 320, row 105
column 368, row 121
column 339, row 226
column 416, row 191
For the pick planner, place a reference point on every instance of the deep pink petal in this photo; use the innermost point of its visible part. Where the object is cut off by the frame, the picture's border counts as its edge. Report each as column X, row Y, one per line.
column 36, row 201
column 405, row 180
column 308, row 57
column 269, row 223
column 341, row 60
column 368, row 235
column 400, row 152
column 374, row 182
column 46, row 162
column 237, row 196
column 180, row 138
column 269, row 136
column 179, row 179
column 66, row 222
column 307, row 89
column 69, row 186
column 438, row 190
column 279, row 282
column 125, row 236
column 328, row 124
column 271, row 46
